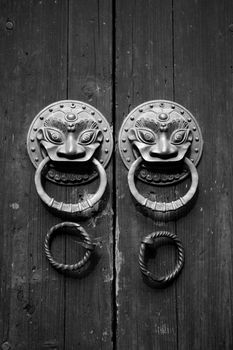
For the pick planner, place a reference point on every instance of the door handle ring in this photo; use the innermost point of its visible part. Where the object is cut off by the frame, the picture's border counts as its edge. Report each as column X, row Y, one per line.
column 86, row 243
column 160, row 282
column 83, row 209
column 163, row 210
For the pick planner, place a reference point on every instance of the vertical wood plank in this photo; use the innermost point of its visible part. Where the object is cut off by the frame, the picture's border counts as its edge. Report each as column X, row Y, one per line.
column 203, row 83
column 146, row 318
column 89, row 300
column 33, row 74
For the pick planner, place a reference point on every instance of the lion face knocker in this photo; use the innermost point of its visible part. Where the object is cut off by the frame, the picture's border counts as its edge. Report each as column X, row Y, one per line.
column 73, row 141
column 159, row 141
column 70, row 137
column 161, row 137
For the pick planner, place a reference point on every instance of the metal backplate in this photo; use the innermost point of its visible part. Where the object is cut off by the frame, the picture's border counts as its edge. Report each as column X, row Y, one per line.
column 70, row 173
column 163, row 173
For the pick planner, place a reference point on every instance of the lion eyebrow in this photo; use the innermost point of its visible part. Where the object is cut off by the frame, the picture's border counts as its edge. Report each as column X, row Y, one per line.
column 54, row 122
column 177, row 124
column 147, row 123
column 87, row 124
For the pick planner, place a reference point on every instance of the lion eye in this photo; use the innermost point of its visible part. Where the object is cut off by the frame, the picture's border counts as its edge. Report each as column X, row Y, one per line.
column 87, row 137
column 54, row 136
column 179, row 136
column 146, row 136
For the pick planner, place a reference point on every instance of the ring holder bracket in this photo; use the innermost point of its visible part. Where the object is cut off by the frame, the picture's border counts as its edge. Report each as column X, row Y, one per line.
column 156, row 116
column 86, row 243
column 58, row 115
column 154, row 281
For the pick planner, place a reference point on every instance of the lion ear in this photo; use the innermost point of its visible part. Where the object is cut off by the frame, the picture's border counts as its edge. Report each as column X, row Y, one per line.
column 40, row 135
column 132, row 135
column 190, row 136
column 99, row 137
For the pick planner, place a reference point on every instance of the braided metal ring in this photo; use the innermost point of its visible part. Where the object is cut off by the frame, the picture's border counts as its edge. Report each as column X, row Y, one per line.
column 86, row 243
column 158, row 282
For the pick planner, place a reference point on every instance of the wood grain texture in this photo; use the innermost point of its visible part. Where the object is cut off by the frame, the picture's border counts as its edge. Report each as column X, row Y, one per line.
column 146, row 318
column 33, row 73
column 203, row 83
column 89, row 300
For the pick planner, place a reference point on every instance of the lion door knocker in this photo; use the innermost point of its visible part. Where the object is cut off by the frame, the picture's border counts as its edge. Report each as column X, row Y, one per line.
column 161, row 144
column 70, row 143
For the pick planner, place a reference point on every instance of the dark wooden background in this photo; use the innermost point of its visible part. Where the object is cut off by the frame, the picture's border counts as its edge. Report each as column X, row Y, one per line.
column 116, row 55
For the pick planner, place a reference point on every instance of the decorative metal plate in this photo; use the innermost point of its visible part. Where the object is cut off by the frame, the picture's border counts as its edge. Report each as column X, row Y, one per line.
column 70, row 172
column 160, row 112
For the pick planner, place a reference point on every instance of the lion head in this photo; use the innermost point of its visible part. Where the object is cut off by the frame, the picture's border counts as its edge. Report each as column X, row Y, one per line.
column 161, row 137
column 69, row 137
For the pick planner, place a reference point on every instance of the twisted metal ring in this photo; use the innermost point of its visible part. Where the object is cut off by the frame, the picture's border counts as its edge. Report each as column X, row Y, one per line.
column 158, row 282
column 82, row 209
column 162, row 210
column 86, row 243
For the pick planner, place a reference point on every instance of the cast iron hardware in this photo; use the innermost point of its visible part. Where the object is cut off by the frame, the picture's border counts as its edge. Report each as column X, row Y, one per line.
column 148, row 241
column 73, row 142
column 160, row 143
column 86, row 243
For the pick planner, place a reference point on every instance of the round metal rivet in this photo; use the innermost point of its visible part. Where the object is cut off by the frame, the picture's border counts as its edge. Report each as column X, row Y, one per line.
column 196, row 150
column 132, row 117
column 72, row 105
column 161, row 104
column 32, row 139
column 50, row 110
column 61, row 106
column 9, row 25
column 101, row 161
column 192, row 160
column 83, row 107
column 100, row 120
column 189, row 119
column 124, row 149
column 194, row 128
column 105, row 129
column 124, row 140
column 36, row 159
column 92, row 112
column 41, row 117
column 140, row 110
column 151, row 106
column 182, row 112
column 107, row 140
column 106, row 150
column 33, row 149
column 126, row 129
column 128, row 159
column 35, row 129
column 163, row 116
column 197, row 138
column 173, row 106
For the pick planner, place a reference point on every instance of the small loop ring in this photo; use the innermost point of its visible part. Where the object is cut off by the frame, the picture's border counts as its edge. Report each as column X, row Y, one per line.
column 159, row 282
column 82, row 209
column 87, row 243
column 162, row 210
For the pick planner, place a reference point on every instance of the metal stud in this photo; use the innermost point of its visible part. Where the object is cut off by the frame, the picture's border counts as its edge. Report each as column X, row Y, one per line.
column 128, row 159
column 132, row 117
column 124, row 149
column 106, row 150
column 100, row 120
column 107, row 139
column 105, row 129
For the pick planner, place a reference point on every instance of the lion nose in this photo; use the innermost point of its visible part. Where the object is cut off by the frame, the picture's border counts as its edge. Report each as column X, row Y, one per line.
column 70, row 149
column 163, row 149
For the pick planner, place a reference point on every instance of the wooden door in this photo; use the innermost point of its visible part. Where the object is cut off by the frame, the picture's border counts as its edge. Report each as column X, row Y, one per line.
column 116, row 55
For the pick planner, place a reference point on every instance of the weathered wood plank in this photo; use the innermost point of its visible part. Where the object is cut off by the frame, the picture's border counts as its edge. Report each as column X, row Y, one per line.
column 33, row 74
column 203, row 83
column 89, row 301
column 146, row 318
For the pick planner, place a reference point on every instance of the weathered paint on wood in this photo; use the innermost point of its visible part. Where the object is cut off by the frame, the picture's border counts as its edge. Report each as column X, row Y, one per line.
column 116, row 56
column 144, row 71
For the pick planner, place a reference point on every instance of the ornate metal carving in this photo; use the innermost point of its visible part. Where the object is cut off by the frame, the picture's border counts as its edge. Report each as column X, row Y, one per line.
column 148, row 241
column 70, row 133
column 73, row 142
column 163, row 133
